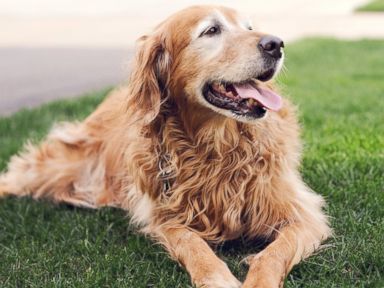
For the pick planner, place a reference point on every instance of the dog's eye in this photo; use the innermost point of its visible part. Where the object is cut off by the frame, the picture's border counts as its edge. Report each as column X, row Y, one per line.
column 250, row 28
column 212, row 31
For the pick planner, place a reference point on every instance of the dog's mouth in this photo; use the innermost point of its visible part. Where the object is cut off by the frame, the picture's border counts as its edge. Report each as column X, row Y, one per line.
column 247, row 98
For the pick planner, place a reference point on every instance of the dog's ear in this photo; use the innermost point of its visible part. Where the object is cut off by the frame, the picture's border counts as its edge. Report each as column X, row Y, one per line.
column 150, row 76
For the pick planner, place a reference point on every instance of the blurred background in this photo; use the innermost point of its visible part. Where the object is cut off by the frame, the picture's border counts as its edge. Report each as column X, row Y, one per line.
column 52, row 49
column 55, row 49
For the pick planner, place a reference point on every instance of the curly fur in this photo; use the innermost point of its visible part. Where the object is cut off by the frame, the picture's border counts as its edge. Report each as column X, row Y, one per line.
column 228, row 178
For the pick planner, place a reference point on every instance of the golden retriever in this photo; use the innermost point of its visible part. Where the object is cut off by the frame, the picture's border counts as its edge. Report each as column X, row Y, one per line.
column 199, row 148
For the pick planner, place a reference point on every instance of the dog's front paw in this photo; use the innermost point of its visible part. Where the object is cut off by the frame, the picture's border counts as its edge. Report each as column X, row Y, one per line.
column 264, row 272
column 218, row 281
column 221, row 277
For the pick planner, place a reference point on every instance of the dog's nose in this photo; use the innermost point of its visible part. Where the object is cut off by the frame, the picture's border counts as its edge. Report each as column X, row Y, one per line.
column 271, row 45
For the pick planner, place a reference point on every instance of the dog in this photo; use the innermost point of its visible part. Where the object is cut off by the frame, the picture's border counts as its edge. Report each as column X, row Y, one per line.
column 199, row 148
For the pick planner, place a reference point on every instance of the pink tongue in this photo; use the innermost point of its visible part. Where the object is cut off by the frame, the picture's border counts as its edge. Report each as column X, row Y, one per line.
column 264, row 96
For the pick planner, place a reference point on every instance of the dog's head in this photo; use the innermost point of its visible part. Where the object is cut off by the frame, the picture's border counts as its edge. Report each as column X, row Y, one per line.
column 207, row 56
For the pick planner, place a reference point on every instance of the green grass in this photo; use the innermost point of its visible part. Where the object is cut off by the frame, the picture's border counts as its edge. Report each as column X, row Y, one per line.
column 374, row 6
column 339, row 88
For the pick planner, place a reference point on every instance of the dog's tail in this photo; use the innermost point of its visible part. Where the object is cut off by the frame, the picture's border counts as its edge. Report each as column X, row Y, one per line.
column 64, row 168
column 3, row 187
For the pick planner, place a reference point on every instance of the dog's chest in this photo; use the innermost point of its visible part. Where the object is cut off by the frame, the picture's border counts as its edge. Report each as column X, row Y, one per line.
column 224, row 183
column 220, row 194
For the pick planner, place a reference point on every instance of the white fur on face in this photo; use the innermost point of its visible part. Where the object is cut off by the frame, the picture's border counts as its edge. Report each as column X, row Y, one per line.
column 245, row 22
column 209, row 48
column 221, row 18
column 217, row 18
column 280, row 64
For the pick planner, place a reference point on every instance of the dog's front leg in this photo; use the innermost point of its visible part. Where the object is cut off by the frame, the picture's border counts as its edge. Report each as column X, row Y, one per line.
column 204, row 267
column 294, row 242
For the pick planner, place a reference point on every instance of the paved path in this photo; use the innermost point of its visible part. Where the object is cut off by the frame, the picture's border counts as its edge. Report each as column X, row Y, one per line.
column 31, row 76
column 53, row 59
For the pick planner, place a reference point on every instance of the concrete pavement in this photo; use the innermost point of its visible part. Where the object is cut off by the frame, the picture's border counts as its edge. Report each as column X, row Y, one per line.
column 31, row 76
column 55, row 49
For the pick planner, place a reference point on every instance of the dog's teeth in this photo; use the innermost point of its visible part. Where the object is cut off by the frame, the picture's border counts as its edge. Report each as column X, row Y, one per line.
column 229, row 94
column 215, row 86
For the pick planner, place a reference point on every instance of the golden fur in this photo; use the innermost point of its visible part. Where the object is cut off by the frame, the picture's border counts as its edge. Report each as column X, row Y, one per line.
column 228, row 178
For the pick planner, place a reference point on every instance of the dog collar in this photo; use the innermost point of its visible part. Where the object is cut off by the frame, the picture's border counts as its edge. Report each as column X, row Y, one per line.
column 165, row 169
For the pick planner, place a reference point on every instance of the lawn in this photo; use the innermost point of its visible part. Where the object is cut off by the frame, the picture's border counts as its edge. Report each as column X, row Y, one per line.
column 339, row 89
column 374, row 6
